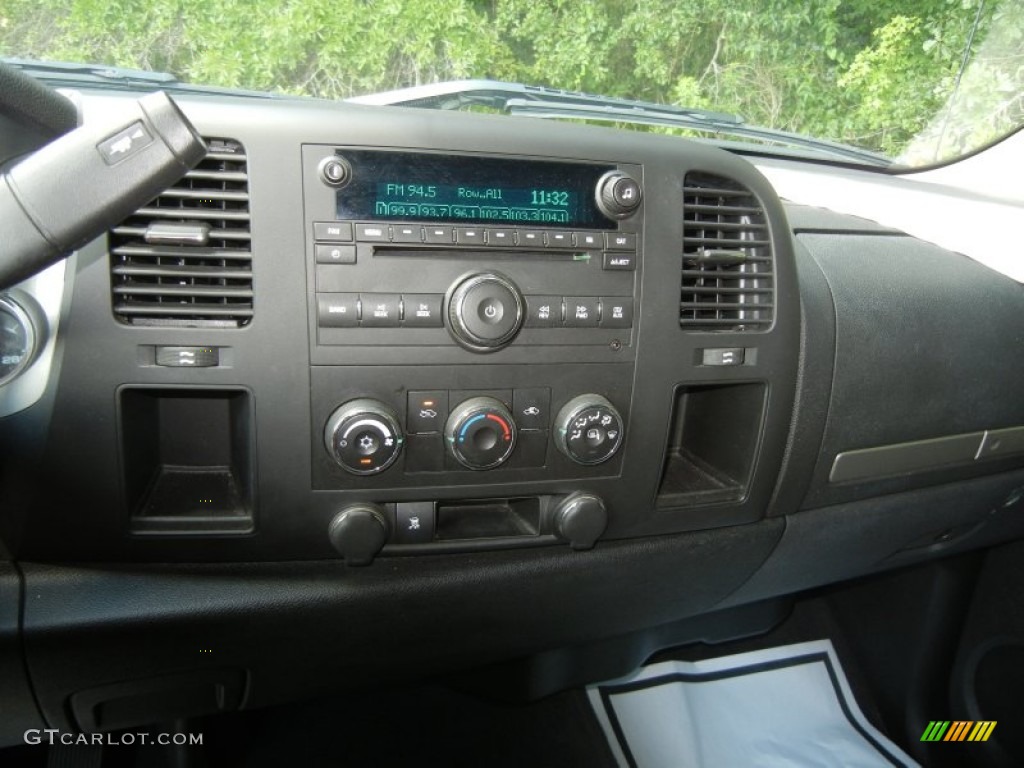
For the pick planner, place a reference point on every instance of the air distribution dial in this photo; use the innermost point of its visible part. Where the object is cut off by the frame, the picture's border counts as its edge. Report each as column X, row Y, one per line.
column 588, row 429
column 618, row 195
column 480, row 433
column 363, row 436
column 485, row 311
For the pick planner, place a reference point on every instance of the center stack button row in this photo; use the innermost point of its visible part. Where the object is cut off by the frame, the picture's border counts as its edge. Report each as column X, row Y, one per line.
column 379, row 310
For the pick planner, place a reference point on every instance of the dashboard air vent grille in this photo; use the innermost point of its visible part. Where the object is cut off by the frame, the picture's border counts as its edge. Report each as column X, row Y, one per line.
column 727, row 276
column 185, row 259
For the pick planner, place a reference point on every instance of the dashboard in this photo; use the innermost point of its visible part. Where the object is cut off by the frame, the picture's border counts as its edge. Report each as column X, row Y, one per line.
column 369, row 379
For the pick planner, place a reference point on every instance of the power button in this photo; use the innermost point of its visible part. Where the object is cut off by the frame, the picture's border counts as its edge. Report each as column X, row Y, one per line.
column 485, row 311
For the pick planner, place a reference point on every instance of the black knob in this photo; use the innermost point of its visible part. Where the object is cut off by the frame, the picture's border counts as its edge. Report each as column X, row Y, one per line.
column 359, row 532
column 618, row 195
column 580, row 519
column 480, row 433
column 485, row 311
column 588, row 429
column 335, row 171
column 363, row 436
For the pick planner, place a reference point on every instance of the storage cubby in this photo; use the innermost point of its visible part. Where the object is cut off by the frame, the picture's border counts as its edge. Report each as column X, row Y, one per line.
column 716, row 430
column 187, row 460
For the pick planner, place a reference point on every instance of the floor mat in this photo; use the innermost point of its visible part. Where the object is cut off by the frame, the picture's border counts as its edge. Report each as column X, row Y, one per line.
column 784, row 706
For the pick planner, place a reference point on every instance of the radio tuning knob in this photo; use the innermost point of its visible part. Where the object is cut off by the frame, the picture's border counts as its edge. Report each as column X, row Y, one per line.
column 618, row 195
column 588, row 429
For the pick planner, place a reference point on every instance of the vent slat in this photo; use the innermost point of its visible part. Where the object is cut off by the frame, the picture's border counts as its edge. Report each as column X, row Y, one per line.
column 724, row 290
column 180, row 214
column 736, row 293
column 722, row 305
column 197, row 310
column 729, row 242
column 236, row 176
column 177, row 291
column 157, row 271
column 186, row 252
column 225, row 195
column 707, row 191
column 209, row 283
column 215, row 234
column 716, row 209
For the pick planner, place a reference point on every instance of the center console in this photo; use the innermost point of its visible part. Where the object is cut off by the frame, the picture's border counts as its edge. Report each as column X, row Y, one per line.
column 499, row 294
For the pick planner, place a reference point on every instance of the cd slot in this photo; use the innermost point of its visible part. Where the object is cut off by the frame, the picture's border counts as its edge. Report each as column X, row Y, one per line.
column 450, row 252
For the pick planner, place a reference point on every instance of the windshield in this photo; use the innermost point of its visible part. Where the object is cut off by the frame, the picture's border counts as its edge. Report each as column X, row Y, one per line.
column 916, row 81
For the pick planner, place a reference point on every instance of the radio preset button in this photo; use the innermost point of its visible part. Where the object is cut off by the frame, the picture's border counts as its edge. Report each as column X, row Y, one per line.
column 543, row 311
column 531, row 237
column 589, row 240
column 616, row 312
column 501, row 237
column 374, row 233
column 439, row 235
column 332, row 231
column 559, row 239
column 380, row 310
column 335, row 254
column 582, row 312
column 339, row 310
column 469, row 236
column 421, row 310
column 405, row 233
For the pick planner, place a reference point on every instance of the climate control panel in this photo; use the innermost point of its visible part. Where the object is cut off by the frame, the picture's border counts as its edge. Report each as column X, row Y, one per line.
column 430, row 433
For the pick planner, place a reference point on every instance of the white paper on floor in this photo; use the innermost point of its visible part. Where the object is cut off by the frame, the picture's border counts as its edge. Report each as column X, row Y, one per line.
column 786, row 706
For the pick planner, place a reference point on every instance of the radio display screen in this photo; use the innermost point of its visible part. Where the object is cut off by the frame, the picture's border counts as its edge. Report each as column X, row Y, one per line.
column 403, row 186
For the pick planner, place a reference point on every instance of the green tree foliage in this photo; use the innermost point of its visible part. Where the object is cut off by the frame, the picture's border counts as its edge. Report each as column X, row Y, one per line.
column 872, row 73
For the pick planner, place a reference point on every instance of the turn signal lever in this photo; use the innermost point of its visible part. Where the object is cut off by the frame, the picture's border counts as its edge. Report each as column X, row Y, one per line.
column 75, row 188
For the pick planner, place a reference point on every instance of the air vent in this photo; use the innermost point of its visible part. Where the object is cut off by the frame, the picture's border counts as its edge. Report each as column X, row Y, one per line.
column 185, row 259
column 727, row 277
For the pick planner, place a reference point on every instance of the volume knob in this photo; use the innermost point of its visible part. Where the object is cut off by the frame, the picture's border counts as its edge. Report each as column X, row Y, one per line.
column 485, row 311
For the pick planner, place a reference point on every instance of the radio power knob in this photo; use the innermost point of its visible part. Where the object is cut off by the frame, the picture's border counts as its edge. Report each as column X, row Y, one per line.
column 618, row 195
column 588, row 429
column 485, row 311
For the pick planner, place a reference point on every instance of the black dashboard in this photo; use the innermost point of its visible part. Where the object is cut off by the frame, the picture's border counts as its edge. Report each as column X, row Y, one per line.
column 373, row 379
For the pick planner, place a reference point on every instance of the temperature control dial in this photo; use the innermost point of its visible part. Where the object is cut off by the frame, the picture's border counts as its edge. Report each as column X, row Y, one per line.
column 480, row 433
column 588, row 429
column 363, row 436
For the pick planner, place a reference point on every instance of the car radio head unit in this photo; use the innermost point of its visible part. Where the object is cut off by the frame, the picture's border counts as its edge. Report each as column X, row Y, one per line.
column 406, row 186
